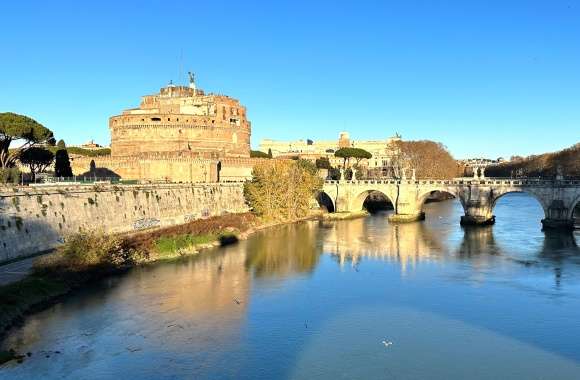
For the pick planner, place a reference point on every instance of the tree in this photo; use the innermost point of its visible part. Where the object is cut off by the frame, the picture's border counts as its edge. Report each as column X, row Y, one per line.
column 258, row 154
column 13, row 128
column 430, row 159
column 323, row 163
column 359, row 154
column 282, row 189
column 269, row 152
column 547, row 165
column 62, row 162
column 37, row 159
column 347, row 153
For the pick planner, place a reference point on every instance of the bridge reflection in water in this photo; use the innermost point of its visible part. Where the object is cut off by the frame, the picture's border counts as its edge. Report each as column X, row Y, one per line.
column 439, row 238
column 406, row 243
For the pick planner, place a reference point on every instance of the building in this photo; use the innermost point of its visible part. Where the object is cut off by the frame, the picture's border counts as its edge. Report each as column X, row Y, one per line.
column 180, row 134
column 89, row 145
column 381, row 150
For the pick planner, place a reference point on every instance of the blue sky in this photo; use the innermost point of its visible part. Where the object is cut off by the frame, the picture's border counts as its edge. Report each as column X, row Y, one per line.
column 486, row 78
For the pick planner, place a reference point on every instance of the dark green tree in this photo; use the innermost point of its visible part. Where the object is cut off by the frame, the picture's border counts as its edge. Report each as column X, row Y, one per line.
column 347, row 153
column 360, row 154
column 24, row 130
column 269, row 153
column 258, row 154
column 343, row 153
column 37, row 159
column 323, row 163
column 62, row 162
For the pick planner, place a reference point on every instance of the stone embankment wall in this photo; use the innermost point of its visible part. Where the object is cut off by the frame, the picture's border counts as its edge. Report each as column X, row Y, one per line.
column 38, row 219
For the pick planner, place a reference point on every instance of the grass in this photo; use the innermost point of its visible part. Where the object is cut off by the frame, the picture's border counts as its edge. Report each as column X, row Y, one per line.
column 173, row 244
column 168, row 246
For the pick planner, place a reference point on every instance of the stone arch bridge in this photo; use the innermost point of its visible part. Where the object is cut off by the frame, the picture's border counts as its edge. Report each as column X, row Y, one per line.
column 478, row 196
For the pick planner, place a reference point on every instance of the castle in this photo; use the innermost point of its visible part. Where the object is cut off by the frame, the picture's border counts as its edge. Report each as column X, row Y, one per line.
column 180, row 134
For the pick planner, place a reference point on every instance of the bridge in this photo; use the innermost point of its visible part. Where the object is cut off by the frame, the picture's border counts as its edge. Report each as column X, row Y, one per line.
column 478, row 196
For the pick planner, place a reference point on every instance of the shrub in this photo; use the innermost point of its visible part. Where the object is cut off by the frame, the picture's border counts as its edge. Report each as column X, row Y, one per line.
column 9, row 175
column 86, row 250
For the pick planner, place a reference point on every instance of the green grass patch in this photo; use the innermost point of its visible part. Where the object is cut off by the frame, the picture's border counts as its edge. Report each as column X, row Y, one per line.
column 169, row 246
column 172, row 244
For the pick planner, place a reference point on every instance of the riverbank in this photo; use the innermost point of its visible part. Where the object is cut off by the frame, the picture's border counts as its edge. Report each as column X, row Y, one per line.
column 50, row 280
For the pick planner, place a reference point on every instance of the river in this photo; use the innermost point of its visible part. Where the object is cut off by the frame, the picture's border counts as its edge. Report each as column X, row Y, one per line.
column 357, row 299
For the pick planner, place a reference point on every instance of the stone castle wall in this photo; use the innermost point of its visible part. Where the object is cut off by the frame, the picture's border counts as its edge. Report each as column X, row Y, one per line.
column 38, row 219
column 155, row 167
column 136, row 137
column 167, row 168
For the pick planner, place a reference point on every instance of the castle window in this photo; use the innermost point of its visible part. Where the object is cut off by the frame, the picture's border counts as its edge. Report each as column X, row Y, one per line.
column 168, row 119
column 155, row 119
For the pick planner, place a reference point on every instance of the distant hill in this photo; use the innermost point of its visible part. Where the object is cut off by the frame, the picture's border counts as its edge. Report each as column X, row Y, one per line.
column 544, row 165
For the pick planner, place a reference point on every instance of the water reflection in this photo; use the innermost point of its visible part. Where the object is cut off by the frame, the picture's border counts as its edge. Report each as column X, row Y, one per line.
column 373, row 237
column 478, row 241
column 286, row 250
column 292, row 302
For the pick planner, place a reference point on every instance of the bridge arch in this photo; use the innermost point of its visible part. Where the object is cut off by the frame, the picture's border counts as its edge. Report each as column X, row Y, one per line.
column 357, row 203
column 498, row 196
column 325, row 201
column 575, row 203
column 424, row 195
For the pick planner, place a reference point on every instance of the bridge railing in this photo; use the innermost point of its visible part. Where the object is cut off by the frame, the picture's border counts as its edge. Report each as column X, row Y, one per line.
column 464, row 181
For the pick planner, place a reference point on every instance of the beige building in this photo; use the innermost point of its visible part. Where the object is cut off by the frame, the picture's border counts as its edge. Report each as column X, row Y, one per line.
column 179, row 134
column 382, row 150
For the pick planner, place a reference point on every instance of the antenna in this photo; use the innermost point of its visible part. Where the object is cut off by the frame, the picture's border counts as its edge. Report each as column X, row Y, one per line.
column 180, row 77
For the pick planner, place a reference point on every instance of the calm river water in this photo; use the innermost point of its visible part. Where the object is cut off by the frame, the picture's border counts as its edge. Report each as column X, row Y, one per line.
column 359, row 299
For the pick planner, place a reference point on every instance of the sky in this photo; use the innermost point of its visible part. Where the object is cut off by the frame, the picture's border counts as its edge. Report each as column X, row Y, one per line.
column 485, row 78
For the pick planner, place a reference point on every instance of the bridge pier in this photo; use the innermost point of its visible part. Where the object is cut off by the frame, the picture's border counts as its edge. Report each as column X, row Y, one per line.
column 404, row 218
column 476, row 220
column 558, row 224
column 478, row 206
column 558, row 216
